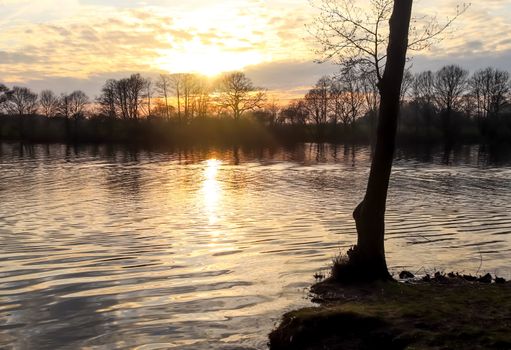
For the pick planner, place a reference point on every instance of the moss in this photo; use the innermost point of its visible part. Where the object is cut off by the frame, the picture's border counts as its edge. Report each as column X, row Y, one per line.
column 399, row 316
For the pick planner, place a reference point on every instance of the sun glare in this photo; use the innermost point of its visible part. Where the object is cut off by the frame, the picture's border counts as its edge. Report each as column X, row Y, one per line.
column 209, row 60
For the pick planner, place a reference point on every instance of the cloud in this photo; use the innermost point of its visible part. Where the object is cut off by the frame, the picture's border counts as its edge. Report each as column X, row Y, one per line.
column 87, row 41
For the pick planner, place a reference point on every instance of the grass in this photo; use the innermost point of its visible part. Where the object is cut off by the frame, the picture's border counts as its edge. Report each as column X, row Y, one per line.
column 391, row 315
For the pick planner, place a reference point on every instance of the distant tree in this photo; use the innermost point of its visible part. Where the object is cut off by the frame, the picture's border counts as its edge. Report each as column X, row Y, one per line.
column 148, row 95
column 78, row 101
column 450, row 85
column 317, row 101
column 369, row 85
column 238, row 94
column 423, row 88
column 406, row 86
column 490, row 89
column 130, row 96
column 295, row 113
column 423, row 97
column 49, row 103
column 189, row 83
column 163, row 87
column 347, row 97
column 21, row 101
column 64, row 106
column 201, row 98
column 107, row 101
column 273, row 109
column 3, row 96
column 177, row 83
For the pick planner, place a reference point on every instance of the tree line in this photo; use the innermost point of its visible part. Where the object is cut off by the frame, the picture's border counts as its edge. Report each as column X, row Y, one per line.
column 181, row 96
column 447, row 104
column 443, row 102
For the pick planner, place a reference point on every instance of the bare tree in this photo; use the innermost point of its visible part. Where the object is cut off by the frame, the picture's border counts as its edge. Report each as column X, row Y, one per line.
column 78, row 101
column 21, row 101
column 423, row 89
column 352, row 36
column 317, row 101
column 406, row 86
column 490, row 88
column 189, row 87
column 148, row 95
column 238, row 94
column 64, row 107
column 163, row 87
column 201, row 98
column 295, row 113
column 347, row 96
column 176, row 81
column 3, row 96
column 449, row 85
column 107, row 99
column 369, row 84
column 49, row 103
column 130, row 95
column 423, row 97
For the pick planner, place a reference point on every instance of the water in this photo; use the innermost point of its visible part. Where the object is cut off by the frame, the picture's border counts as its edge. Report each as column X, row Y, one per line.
column 103, row 247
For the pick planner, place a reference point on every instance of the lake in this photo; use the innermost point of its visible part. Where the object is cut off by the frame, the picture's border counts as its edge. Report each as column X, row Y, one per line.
column 105, row 247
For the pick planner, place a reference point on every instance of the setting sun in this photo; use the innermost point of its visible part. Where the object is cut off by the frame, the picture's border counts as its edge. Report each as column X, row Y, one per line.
column 197, row 57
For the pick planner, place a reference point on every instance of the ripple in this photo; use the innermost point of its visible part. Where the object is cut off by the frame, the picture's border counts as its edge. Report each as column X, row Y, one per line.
column 105, row 248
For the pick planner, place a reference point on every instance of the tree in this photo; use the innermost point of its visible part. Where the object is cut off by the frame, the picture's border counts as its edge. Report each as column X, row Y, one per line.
column 295, row 113
column 449, row 85
column 346, row 97
column 238, row 94
column 176, row 81
column 108, row 98
column 423, row 94
column 148, row 95
column 78, row 101
column 21, row 101
column 356, row 39
column 201, row 98
column 3, row 96
column 490, row 88
column 163, row 87
column 316, row 101
column 49, row 103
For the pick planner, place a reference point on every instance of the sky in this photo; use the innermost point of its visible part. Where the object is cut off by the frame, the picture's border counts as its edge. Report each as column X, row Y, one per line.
column 78, row 44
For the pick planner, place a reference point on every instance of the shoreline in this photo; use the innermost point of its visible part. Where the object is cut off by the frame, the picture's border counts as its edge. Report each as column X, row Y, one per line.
column 452, row 313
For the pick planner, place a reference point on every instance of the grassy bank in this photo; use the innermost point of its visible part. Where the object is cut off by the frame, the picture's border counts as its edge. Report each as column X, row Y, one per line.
column 456, row 315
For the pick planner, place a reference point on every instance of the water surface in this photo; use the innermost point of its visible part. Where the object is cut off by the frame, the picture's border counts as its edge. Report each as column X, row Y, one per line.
column 105, row 247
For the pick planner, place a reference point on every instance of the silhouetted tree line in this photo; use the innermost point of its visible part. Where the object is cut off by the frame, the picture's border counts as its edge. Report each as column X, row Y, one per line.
column 449, row 104
column 446, row 105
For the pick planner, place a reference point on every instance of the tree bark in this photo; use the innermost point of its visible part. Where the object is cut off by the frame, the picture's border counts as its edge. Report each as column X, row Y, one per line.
column 369, row 254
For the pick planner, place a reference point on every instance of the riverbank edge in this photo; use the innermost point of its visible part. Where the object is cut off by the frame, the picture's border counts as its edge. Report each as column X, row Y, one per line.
column 393, row 315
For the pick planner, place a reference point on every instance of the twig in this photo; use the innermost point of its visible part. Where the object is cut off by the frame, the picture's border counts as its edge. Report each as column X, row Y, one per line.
column 481, row 261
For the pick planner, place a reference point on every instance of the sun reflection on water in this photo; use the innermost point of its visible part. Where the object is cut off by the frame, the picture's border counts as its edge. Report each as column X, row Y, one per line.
column 211, row 190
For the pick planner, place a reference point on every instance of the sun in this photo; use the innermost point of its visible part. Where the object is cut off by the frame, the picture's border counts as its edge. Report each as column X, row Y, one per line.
column 196, row 57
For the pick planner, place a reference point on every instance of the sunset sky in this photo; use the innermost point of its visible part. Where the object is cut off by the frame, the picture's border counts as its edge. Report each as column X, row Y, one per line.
column 78, row 44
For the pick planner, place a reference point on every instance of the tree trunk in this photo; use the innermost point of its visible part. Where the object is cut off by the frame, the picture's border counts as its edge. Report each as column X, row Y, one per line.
column 369, row 254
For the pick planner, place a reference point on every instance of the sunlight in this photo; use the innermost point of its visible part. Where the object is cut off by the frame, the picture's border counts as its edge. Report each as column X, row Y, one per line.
column 211, row 190
column 210, row 60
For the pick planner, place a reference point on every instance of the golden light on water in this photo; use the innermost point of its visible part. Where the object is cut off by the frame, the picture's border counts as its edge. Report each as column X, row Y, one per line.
column 211, row 190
